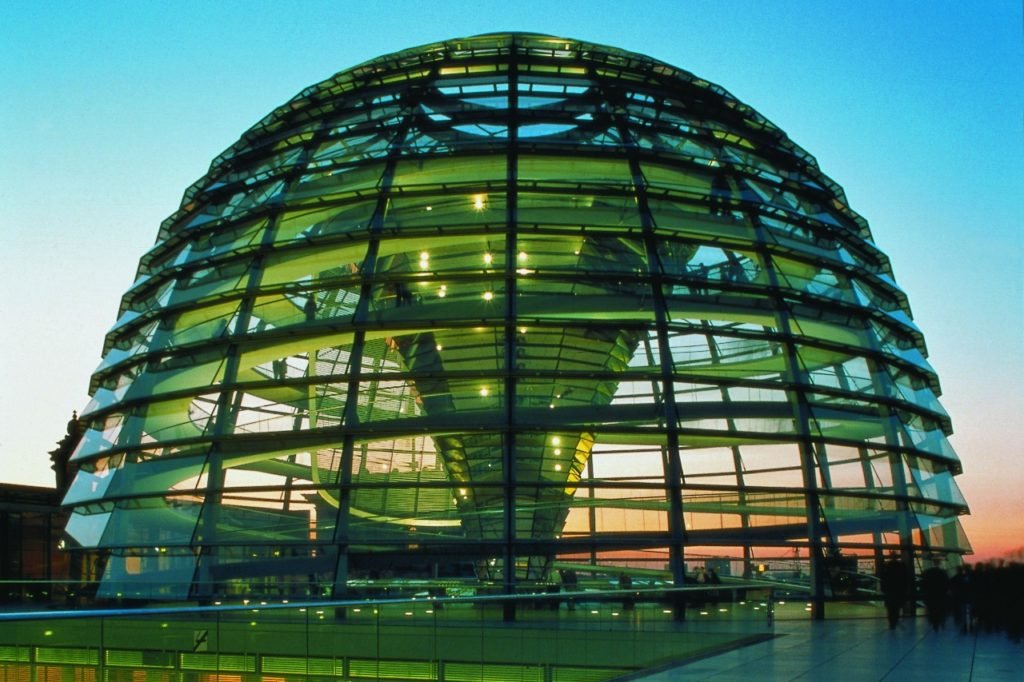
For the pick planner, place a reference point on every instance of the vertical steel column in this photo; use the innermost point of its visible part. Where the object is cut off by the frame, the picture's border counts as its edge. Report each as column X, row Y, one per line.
column 350, row 422
column 670, row 411
column 508, row 441
column 737, row 458
column 227, row 402
column 798, row 379
column 880, row 382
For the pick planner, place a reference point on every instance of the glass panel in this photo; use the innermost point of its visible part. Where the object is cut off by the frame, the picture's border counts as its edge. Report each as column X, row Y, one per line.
column 302, row 265
column 557, row 299
column 338, row 183
column 165, row 575
column 731, row 356
column 194, row 324
column 685, row 181
column 676, row 217
column 578, row 211
column 87, row 529
column 463, row 253
column 777, row 465
column 553, row 172
column 448, row 210
column 596, row 254
column 314, row 223
column 447, row 171
column 152, row 522
column 479, row 349
column 468, row 300
column 719, row 307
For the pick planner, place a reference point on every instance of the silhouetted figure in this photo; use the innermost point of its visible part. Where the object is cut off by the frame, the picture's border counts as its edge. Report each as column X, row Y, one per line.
column 935, row 594
column 895, row 585
column 721, row 194
column 569, row 583
column 713, row 579
column 997, row 598
column 960, row 592
column 626, row 583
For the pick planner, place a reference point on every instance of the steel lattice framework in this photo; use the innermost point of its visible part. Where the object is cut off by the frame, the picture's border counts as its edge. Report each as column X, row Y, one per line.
column 503, row 301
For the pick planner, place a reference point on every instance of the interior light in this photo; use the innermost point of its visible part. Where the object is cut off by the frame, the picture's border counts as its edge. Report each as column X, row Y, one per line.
column 556, row 440
column 558, row 451
column 439, row 348
column 488, row 258
column 478, row 201
column 522, row 256
column 488, row 295
column 558, row 467
column 424, row 255
column 522, row 330
column 484, row 391
column 430, row 208
column 442, row 292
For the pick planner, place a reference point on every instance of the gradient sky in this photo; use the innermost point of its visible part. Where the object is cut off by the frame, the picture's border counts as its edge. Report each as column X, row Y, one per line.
column 108, row 111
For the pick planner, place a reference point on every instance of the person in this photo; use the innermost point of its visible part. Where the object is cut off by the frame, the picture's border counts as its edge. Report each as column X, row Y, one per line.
column 626, row 583
column 960, row 591
column 713, row 579
column 935, row 594
column 569, row 584
column 894, row 584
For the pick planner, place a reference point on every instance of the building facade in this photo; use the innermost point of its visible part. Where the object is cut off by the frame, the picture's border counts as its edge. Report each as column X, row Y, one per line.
column 497, row 305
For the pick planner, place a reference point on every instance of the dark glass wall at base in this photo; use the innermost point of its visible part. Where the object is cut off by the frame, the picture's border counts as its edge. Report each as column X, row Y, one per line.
column 32, row 569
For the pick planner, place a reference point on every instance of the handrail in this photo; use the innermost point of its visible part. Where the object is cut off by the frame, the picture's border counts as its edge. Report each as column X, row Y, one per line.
column 265, row 605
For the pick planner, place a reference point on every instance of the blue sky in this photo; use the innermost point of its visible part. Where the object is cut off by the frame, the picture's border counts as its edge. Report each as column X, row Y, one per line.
column 108, row 111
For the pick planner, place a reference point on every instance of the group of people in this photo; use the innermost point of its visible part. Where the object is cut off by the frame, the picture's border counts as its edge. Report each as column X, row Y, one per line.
column 985, row 597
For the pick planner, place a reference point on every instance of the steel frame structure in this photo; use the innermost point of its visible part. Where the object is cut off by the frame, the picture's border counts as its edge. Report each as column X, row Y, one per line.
column 508, row 301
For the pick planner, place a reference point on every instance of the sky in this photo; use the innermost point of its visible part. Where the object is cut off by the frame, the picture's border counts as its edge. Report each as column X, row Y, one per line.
column 109, row 110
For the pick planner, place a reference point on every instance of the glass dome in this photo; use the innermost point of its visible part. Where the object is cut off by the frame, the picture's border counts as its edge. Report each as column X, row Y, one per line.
column 497, row 306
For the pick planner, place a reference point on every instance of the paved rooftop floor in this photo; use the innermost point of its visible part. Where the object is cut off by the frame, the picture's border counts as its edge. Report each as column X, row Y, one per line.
column 859, row 649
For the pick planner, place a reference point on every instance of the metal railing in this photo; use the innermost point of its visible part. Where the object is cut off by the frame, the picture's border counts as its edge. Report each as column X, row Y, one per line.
column 589, row 634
